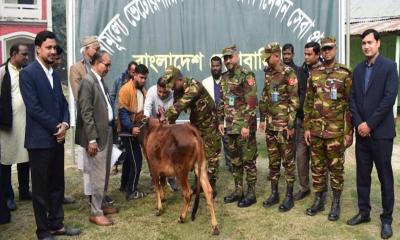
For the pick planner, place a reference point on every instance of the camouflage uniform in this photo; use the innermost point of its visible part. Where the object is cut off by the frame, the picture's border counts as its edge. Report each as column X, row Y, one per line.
column 328, row 119
column 280, row 112
column 237, row 110
column 203, row 116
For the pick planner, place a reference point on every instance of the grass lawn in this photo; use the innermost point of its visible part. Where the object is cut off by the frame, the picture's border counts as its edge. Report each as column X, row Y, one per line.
column 137, row 219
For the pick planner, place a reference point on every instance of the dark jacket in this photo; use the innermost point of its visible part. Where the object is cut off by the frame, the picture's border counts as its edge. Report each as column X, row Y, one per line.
column 6, row 116
column 46, row 107
column 375, row 105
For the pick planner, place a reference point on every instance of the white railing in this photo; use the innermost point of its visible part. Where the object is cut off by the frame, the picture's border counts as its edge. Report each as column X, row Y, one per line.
column 21, row 11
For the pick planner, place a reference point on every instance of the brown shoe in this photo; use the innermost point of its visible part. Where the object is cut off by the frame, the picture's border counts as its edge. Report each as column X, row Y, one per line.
column 110, row 210
column 101, row 220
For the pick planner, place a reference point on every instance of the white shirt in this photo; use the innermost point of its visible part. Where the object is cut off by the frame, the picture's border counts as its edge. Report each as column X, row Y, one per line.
column 48, row 72
column 153, row 102
column 109, row 108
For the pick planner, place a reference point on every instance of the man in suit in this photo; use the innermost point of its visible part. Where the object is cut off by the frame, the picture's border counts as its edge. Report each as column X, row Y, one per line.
column 47, row 120
column 94, row 133
column 213, row 85
column 373, row 94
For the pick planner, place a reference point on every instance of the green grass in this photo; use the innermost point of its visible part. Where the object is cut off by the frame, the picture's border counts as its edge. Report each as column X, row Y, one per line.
column 137, row 219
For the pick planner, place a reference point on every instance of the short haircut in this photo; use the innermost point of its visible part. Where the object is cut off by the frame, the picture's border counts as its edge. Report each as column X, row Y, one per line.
column 59, row 50
column 97, row 56
column 161, row 82
column 15, row 48
column 215, row 59
column 315, row 46
column 376, row 34
column 288, row 46
column 141, row 69
column 42, row 36
column 132, row 63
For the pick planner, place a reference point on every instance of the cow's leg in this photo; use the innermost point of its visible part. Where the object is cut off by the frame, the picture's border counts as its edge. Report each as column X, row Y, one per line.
column 157, row 188
column 208, row 192
column 163, row 182
column 187, row 195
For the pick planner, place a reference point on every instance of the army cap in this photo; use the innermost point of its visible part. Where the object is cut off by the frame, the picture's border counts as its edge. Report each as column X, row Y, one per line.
column 328, row 41
column 170, row 74
column 89, row 40
column 229, row 50
column 269, row 49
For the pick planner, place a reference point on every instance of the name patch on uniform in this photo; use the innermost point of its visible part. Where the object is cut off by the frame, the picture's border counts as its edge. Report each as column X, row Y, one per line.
column 251, row 81
column 292, row 81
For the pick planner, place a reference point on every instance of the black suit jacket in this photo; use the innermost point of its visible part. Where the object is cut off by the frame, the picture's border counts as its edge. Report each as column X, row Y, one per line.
column 46, row 107
column 375, row 106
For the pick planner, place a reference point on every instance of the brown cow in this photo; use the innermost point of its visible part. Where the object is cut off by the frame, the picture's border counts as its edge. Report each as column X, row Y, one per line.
column 174, row 150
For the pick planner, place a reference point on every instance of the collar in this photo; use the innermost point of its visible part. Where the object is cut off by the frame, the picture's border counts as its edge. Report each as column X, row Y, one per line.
column 96, row 75
column 49, row 71
column 372, row 62
column 11, row 66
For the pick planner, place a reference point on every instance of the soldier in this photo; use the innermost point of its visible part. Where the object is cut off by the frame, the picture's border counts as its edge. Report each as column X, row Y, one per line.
column 237, row 115
column 328, row 127
column 190, row 94
column 278, row 104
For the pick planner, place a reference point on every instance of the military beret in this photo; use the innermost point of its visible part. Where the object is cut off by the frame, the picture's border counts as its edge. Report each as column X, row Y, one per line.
column 328, row 41
column 229, row 50
column 269, row 49
column 89, row 40
column 170, row 74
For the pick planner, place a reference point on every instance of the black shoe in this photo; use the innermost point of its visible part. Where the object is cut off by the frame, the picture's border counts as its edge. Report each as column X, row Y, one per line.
column 47, row 238
column 273, row 198
column 358, row 219
column 67, row 231
column 288, row 202
column 301, row 194
column 247, row 202
column 68, row 200
column 233, row 197
column 386, row 231
column 107, row 199
column 25, row 197
column 11, row 204
column 335, row 208
column 318, row 205
column 172, row 184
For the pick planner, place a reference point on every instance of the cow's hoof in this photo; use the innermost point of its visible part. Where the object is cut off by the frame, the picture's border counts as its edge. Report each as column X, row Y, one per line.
column 159, row 212
column 215, row 231
column 181, row 219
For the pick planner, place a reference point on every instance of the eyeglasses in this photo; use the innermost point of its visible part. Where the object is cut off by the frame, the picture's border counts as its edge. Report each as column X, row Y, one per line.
column 327, row 48
column 107, row 65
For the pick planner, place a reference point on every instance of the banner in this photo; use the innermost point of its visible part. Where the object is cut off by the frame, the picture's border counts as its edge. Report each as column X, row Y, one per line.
column 187, row 33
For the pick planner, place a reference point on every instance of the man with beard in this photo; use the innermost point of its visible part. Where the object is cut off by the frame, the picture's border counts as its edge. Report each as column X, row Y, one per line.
column 47, row 121
column 288, row 55
column 327, row 126
column 213, row 86
column 237, row 118
column 189, row 94
column 130, row 109
column 12, row 125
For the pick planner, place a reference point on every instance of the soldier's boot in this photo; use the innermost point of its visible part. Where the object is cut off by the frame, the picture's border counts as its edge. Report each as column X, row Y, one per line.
column 288, row 202
column 334, row 214
column 250, row 198
column 237, row 195
column 213, row 183
column 318, row 205
column 274, row 197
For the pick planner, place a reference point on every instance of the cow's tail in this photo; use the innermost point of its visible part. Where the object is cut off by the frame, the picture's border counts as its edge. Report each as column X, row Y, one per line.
column 200, row 162
column 197, row 199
